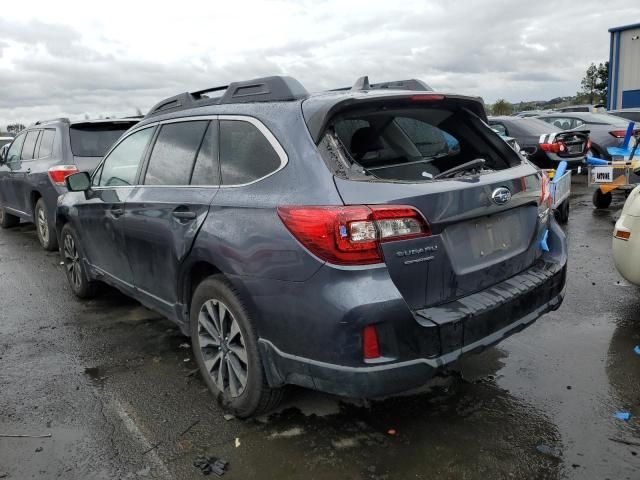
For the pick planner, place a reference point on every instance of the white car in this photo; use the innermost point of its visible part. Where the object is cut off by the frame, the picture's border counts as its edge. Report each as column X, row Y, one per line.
column 626, row 239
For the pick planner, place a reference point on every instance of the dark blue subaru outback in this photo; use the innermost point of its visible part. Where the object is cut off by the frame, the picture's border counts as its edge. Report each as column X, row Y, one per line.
column 351, row 241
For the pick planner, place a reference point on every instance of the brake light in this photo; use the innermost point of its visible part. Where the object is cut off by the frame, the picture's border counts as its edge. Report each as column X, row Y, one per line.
column 545, row 190
column 426, row 98
column 351, row 235
column 370, row 345
column 618, row 133
column 555, row 147
column 58, row 173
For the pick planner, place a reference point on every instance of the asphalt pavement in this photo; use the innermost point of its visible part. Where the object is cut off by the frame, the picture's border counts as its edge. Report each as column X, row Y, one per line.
column 115, row 386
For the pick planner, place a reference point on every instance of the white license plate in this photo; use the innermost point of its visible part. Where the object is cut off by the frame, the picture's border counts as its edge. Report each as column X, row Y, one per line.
column 602, row 175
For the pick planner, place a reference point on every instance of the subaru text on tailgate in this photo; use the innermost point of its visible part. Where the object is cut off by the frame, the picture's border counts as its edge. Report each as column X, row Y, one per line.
column 352, row 241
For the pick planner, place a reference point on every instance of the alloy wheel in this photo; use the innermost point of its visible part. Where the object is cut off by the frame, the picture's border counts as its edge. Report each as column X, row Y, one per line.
column 43, row 226
column 72, row 261
column 223, row 347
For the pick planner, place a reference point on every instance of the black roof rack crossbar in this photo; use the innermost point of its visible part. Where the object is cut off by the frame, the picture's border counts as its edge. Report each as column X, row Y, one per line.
column 363, row 84
column 59, row 119
column 266, row 89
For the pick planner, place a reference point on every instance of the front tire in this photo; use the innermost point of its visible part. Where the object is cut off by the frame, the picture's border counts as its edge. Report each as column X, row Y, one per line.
column 602, row 200
column 45, row 227
column 7, row 220
column 225, row 347
column 74, row 265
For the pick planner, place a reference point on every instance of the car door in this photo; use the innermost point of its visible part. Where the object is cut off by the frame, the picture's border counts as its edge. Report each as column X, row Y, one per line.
column 164, row 213
column 7, row 188
column 20, row 175
column 100, row 214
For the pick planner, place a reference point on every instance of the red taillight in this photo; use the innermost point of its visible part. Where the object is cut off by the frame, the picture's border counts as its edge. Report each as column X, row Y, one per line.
column 58, row 173
column 545, row 190
column 555, row 147
column 370, row 345
column 426, row 98
column 618, row 133
column 351, row 235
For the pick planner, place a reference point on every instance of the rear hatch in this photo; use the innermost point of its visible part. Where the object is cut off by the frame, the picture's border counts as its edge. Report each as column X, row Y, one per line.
column 91, row 140
column 485, row 217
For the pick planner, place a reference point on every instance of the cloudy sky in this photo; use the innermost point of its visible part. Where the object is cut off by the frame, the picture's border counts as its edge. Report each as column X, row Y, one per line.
column 68, row 58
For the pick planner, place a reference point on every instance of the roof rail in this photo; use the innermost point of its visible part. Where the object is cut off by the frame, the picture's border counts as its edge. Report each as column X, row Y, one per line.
column 60, row 119
column 363, row 84
column 267, row 89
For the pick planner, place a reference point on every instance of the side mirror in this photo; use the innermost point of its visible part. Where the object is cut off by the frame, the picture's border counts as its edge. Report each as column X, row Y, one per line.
column 3, row 155
column 78, row 182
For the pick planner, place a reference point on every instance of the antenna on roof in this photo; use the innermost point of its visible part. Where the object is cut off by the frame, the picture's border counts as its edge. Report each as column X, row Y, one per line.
column 361, row 84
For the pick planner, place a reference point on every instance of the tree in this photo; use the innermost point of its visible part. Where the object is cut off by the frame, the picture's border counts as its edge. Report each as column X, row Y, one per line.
column 595, row 82
column 15, row 128
column 502, row 107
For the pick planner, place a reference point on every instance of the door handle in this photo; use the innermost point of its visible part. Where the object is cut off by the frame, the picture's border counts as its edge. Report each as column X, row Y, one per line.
column 184, row 214
column 116, row 212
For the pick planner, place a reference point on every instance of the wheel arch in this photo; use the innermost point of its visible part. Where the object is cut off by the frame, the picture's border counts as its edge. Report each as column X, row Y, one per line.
column 194, row 271
column 34, row 196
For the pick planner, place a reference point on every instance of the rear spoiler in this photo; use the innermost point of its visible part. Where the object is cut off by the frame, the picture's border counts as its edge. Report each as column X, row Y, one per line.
column 318, row 119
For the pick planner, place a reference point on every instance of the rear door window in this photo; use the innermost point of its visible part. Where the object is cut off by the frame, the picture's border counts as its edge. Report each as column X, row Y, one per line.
column 245, row 153
column 29, row 145
column 46, row 143
column 174, row 153
column 121, row 165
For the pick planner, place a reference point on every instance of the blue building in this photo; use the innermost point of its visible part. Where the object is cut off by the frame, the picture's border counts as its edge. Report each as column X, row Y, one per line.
column 624, row 67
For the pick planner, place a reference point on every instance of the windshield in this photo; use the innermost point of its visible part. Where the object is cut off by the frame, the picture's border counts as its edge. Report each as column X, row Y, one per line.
column 603, row 118
column 418, row 144
column 95, row 139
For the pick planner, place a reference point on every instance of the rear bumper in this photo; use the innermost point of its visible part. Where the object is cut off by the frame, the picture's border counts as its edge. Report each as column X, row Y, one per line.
column 467, row 325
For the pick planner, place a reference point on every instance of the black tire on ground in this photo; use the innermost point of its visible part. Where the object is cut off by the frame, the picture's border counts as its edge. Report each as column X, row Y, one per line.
column 74, row 266
column 236, row 349
column 7, row 220
column 602, row 200
column 45, row 227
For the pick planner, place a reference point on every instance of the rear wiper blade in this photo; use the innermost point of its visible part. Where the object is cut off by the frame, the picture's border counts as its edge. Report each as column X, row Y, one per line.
column 478, row 162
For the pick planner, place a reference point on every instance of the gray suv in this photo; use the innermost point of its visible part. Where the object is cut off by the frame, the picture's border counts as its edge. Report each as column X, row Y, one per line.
column 33, row 168
column 352, row 241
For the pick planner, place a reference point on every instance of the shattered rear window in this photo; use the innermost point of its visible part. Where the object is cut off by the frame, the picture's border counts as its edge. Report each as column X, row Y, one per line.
column 417, row 144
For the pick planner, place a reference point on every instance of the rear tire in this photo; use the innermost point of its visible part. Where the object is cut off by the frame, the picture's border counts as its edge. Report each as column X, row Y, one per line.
column 74, row 265
column 7, row 220
column 602, row 200
column 225, row 347
column 45, row 228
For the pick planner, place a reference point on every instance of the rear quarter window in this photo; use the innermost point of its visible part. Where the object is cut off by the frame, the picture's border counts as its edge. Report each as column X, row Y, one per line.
column 245, row 153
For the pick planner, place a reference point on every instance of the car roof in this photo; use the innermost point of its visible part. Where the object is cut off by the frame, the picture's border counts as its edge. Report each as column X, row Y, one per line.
column 316, row 106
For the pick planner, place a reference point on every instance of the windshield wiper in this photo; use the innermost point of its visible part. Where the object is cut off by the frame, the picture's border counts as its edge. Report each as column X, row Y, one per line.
column 478, row 162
